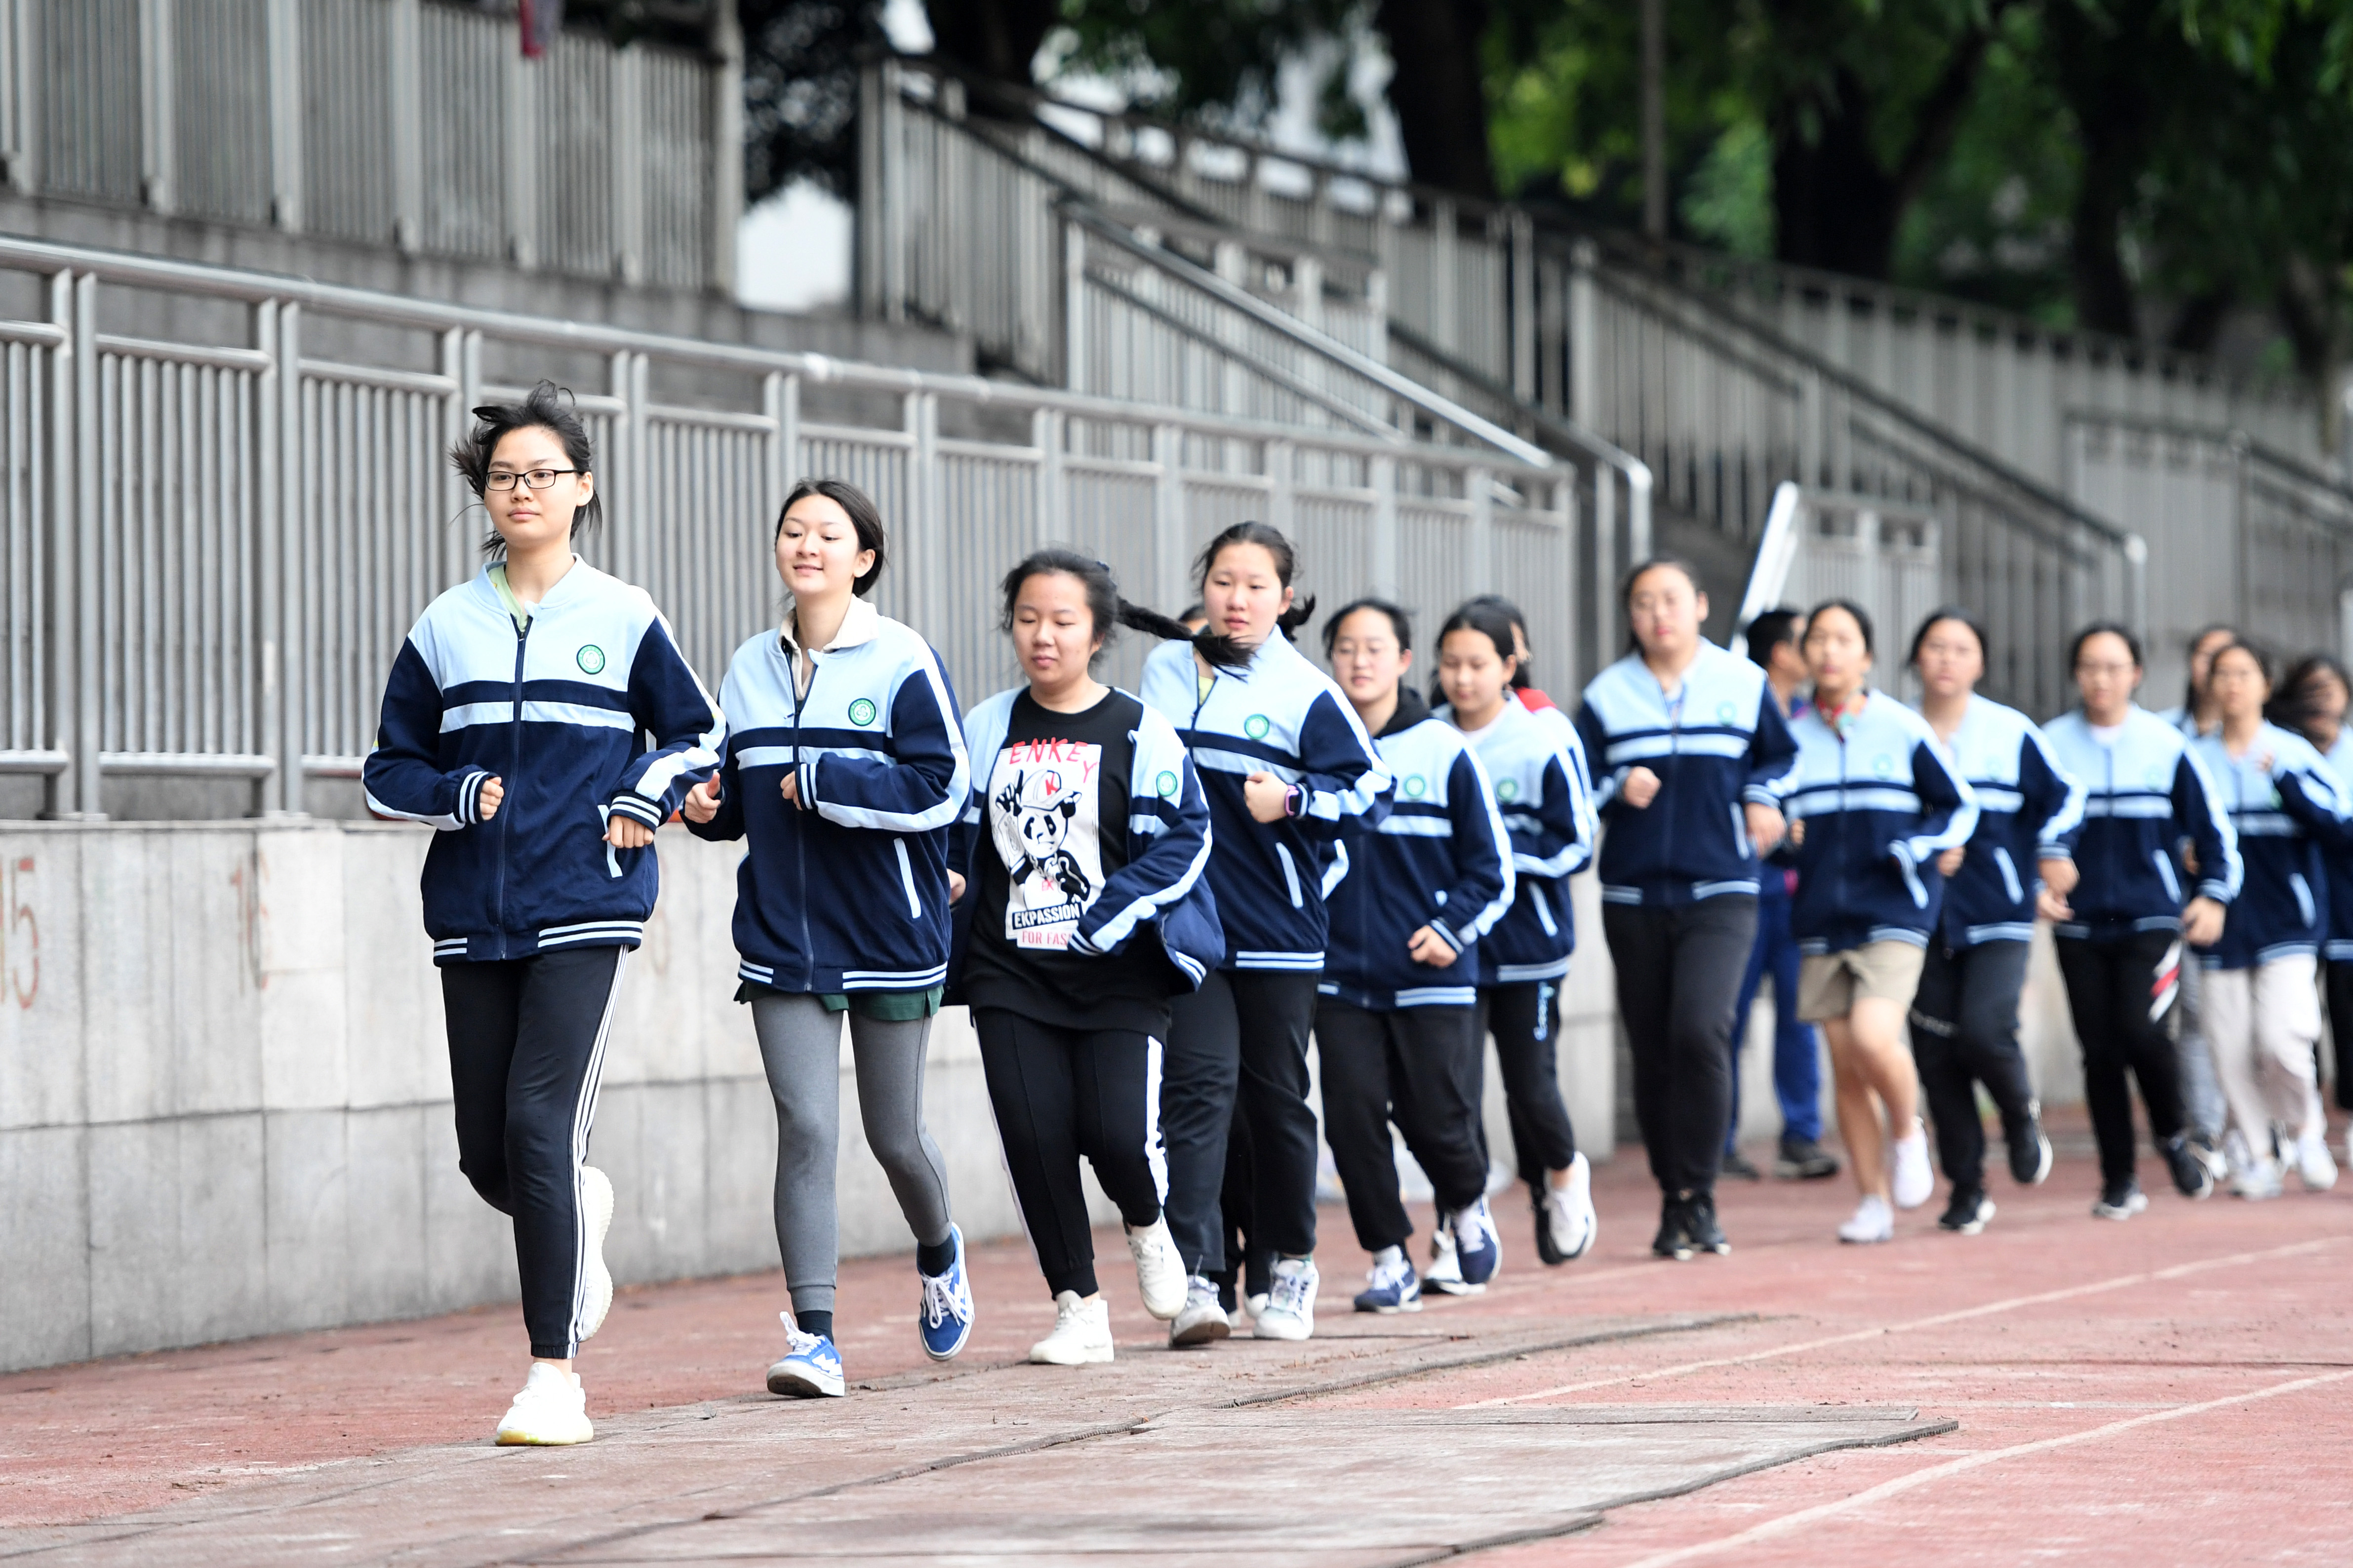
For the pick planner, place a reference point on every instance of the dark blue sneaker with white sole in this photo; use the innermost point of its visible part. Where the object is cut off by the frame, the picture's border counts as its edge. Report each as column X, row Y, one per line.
column 944, row 1318
column 1393, row 1287
column 811, row 1368
column 1478, row 1251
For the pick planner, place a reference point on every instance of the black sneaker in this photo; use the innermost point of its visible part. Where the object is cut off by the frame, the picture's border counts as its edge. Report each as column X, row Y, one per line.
column 2119, row 1200
column 1673, row 1239
column 1803, row 1160
column 2030, row 1148
column 2191, row 1175
column 1548, row 1252
column 1967, row 1212
column 1699, row 1224
column 1736, row 1164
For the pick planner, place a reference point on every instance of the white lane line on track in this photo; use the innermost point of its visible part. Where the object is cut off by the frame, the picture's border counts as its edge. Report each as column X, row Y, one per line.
column 1886, row 1489
column 2119, row 1282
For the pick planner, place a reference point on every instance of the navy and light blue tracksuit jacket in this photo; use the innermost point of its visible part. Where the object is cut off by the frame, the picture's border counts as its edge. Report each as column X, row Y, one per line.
column 1881, row 800
column 1283, row 716
column 2337, row 859
column 1162, row 894
column 2145, row 791
column 1537, row 764
column 1720, row 742
column 1442, row 859
column 556, row 713
column 2285, row 803
column 848, row 890
column 2027, row 806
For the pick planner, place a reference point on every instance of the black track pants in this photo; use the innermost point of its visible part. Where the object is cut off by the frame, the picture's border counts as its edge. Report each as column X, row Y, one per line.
column 1679, row 970
column 1525, row 1019
column 1964, row 1033
column 1060, row 1094
column 1240, row 1040
column 526, row 1045
column 1419, row 1068
column 2122, row 995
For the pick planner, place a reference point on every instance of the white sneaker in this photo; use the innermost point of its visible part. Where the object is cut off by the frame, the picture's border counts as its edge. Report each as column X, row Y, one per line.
column 1444, row 1274
column 1201, row 1319
column 2315, row 1163
column 551, row 1411
column 2257, row 1179
column 1914, row 1183
column 1873, row 1221
column 1568, row 1214
column 1159, row 1270
column 596, row 1204
column 1254, row 1305
column 1290, row 1304
column 1081, row 1335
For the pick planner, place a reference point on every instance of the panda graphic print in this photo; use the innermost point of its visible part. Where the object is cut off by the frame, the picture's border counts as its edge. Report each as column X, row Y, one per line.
column 1046, row 815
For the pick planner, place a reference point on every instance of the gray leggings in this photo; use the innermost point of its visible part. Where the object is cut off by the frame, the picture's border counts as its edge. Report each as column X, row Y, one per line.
column 800, row 1045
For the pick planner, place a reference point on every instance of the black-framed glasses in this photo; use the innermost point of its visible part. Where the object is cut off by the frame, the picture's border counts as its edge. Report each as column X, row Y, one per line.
column 533, row 479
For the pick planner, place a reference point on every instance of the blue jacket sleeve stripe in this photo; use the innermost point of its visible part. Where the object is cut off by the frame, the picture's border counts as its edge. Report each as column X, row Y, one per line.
column 2057, row 832
column 1342, row 775
column 2199, row 808
column 926, row 785
column 669, row 702
column 1949, row 807
column 402, row 778
column 1773, row 756
column 1483, row 851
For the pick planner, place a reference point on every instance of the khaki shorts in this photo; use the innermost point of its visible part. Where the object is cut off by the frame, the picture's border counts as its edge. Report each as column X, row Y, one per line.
column 1828, row 983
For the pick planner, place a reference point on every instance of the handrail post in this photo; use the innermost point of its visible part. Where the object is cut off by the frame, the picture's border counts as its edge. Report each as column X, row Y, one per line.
column 1584, row 362
column 1382, row 547
column 63, row 671
column 1480, row 484
column 2136, row 584
column 1169, row 514
column 278, row 562
column 1074, row 306
column 88, row 734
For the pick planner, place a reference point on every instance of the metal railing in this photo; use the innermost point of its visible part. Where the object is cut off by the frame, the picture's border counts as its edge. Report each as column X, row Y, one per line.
column 1902, row 560
column 2248, row 535
column 214, row 548
column 1158, row 299
column 413, row 123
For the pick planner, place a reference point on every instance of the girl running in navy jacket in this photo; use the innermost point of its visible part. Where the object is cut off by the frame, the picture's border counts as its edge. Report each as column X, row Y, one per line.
column 1692, row 758
column 1965, row 1016
column 511, row 724
column 1397, row 1028
column 2120, row 929
column 1084, row 841
column 1879, row 815
column 845, row 767
column 2262, row 990
column 1285, row 764
column 2312, row 701
column 1536, row 765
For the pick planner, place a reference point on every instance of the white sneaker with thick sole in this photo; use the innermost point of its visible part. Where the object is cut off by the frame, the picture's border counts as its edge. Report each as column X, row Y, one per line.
column 1201, row 1319
column 1568, row 1212
column 551, row 1411
column 2315, row 1163
column 1159, row 1269
column 1081, row 1335
column 596, row 1209
column 1914, row 1183
column 1291, row 1302
column 1254, row 1305
column 1873, row 1221
column 2257, row 1179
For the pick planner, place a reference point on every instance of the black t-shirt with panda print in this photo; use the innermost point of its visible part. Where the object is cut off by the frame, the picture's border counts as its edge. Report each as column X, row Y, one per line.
column 1054, row 830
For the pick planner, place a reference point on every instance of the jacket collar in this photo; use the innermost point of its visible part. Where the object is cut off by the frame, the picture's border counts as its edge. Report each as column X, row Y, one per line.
column 1410, row 711
column 858, row 626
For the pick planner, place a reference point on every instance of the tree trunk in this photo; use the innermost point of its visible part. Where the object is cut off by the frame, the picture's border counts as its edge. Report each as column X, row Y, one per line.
column 1437, row 92
column 2103, row 61
column 997, row 38
column 1834, row 207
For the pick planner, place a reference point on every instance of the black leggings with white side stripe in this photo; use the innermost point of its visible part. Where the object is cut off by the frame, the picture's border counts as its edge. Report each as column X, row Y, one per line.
column 1062, row 1093
column 526, row 1047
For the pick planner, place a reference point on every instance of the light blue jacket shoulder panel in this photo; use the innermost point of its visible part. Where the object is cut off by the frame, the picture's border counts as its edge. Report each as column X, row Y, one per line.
column 1879, row 800
column 2144, row 790
column 2027, row 808
column 2285, row 804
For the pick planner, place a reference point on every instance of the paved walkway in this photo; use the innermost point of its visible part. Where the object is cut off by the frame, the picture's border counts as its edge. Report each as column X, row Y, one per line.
column 2175, row 1389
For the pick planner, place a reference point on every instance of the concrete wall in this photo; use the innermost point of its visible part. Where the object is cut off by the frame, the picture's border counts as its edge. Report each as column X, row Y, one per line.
column 224, row 1092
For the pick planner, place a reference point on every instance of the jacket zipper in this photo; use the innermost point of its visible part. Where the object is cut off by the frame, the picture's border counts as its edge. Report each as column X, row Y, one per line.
column 800, row 833
column 514, row 731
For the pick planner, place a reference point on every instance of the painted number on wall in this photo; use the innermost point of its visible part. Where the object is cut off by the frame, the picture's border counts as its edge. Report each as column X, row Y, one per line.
column 20, row 933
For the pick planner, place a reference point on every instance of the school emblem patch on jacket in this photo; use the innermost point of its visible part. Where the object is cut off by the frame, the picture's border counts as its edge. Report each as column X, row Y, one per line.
column 1047, row 826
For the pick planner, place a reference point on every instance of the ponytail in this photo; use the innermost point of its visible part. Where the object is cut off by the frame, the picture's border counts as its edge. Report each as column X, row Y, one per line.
column 1218, row 650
